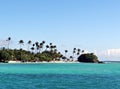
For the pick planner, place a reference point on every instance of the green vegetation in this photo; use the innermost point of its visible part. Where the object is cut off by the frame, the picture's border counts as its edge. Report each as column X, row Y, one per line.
column 36, row 52
column 39, row 51
column 27, row 56
column 4, row 56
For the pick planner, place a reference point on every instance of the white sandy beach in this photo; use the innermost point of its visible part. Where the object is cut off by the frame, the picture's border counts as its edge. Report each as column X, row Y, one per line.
column 41, row 62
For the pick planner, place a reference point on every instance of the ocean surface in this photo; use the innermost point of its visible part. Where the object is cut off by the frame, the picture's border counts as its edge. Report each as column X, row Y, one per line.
column 60, row 76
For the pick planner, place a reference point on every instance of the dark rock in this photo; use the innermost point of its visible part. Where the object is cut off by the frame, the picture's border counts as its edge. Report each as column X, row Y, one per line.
column 101, row 62
column 88, row 58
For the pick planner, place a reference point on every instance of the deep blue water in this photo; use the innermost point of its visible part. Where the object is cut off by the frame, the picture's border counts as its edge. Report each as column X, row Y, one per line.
column 60, row 76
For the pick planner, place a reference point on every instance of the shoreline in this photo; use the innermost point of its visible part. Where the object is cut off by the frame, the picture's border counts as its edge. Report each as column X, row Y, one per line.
column 15, row 62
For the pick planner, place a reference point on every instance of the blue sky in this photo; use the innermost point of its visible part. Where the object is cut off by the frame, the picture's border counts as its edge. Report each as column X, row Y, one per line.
column 86, row 24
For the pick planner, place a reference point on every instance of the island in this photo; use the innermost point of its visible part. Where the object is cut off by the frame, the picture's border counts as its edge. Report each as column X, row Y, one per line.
column 89, row 58
column 42, row 52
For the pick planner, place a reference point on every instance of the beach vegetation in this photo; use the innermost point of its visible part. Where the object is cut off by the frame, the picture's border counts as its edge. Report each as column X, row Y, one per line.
column 40, row 51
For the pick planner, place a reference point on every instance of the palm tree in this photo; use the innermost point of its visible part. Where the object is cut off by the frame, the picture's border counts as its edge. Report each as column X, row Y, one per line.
column 36, row 43
column 54, row 46
column 40, row 47
column 66, row 51
column 8, row 40
column 51, row 48
column 43, row 42
column 21, row 42
column 74, row 51
column 37, row 46
column 83, row 51
column 47, row 46
column 32, row 49
column 78, row 52
column 71, row 58
column 29, row 43
column 33, row 45
column 55, row 50
column 50, row 44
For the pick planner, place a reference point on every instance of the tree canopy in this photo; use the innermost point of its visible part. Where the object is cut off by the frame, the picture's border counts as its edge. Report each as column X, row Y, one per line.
column 89, row 57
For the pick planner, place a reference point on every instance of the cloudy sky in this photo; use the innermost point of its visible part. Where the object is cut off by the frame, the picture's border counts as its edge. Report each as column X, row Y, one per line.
column 92, row 25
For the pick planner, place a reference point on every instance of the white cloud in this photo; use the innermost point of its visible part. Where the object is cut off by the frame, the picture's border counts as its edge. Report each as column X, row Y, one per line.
column 113, row 52
column 109, row 54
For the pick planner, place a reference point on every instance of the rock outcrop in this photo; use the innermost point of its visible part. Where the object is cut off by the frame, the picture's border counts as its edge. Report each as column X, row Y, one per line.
column 88, row 58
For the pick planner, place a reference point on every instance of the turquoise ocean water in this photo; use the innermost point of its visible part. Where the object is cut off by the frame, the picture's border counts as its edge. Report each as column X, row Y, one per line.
column 60, row 76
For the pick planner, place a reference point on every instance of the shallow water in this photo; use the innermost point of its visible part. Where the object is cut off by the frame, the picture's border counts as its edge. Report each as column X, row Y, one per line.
column 60, row 76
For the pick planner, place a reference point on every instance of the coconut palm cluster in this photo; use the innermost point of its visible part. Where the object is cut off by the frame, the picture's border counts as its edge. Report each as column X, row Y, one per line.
column 36, row 52
column 75, row 53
